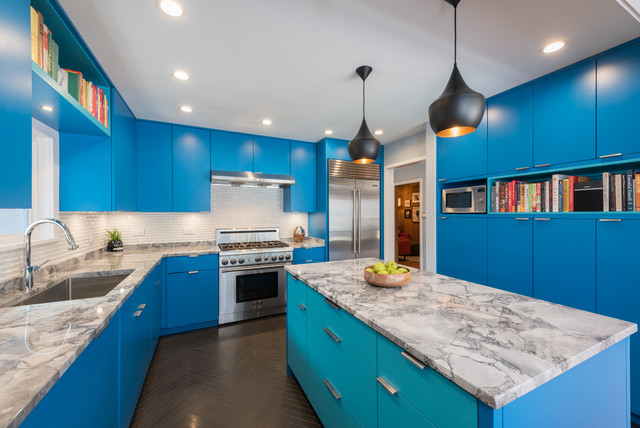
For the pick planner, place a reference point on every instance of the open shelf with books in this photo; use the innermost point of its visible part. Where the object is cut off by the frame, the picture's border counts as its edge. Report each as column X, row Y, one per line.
column 65, row 76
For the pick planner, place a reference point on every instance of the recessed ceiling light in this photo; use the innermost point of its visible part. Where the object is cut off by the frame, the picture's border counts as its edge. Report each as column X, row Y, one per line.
column 47, row 108
column 181, row 75
column 171, row 8
column 328, row 132
column 553, row 47
column 266, row 122
column 379, row 132
column 186, row 109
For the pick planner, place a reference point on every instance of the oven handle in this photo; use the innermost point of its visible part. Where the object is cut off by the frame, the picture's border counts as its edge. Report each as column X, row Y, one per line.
column 255, row 267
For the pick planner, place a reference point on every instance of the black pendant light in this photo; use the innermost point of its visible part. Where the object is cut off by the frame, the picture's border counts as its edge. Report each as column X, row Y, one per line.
column 459, row 109
column 364, row 148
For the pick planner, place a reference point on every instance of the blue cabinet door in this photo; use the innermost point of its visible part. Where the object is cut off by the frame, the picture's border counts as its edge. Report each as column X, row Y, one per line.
column 462, row 248
column 15, row 104
column 510, row 131
column 155, row 164
column 191, row 169
column 394, row 411
column 271, row 155
column 85, row 173
column 618, row 294
column 297, row 330
column 123, row 156
column 564, row 123
column 510, row 255
column 231, row 151
column 192, row 298
column 464, row 156
column 564, row 262
column 87, row 393
column 155, row 283
column 301, row 196
column 618, row 101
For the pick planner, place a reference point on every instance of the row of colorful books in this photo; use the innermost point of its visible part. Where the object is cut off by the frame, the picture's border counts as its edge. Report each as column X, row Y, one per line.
column 45, row 53
column 569, row 193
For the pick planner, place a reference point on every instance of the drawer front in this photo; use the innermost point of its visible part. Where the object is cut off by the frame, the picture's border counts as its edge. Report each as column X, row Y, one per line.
column 308, row 255
column 192, row 263
column 394, row 411
column 297, row 341
column 356, row 335
column 445, row 404
column 351, row 378
column 296, row 290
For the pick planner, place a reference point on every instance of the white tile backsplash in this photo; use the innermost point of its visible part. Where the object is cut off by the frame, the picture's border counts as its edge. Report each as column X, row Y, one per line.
column 230, row 207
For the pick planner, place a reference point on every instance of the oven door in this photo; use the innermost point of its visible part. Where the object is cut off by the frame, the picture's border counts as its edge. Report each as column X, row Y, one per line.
column 251, row 292
column 460, row 200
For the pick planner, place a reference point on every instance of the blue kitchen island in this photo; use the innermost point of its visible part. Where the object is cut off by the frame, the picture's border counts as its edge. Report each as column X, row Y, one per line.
column 442, row 352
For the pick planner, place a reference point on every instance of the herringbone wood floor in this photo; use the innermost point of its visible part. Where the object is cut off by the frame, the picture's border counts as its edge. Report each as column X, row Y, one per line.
column 231, row 376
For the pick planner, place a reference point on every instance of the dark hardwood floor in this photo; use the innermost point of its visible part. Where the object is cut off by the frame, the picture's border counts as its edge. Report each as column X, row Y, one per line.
column 231, row 376
column 634, row 425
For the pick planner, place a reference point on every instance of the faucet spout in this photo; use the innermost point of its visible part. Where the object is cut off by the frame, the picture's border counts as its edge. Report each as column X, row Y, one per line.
column 30, row 270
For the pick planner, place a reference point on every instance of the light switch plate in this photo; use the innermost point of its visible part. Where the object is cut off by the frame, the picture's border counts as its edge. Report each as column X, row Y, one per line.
column 91, row 236
column 188, row 231
column 138, row 232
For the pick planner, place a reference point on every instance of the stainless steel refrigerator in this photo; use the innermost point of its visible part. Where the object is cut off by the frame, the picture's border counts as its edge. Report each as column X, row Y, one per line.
column 354, row 210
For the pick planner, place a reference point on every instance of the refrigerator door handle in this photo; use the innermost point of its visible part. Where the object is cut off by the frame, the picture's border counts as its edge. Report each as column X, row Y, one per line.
column 359, row 220
column 353, row 224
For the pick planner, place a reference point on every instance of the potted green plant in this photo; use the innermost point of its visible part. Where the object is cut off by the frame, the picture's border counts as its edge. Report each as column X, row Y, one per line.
column 114, row 240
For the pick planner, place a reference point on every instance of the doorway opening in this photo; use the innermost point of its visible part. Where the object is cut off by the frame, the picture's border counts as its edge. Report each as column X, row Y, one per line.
column 407, row 223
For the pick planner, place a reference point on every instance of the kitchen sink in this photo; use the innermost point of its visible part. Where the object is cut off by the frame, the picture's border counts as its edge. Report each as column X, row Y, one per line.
column 77, row 288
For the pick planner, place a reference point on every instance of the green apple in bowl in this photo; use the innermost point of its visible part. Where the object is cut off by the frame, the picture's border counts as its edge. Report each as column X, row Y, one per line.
column 391, row 264
column 378, row 267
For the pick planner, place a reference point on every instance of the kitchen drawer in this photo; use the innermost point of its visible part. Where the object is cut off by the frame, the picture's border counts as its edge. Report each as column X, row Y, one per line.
column 352, row 379
column 296, row 290
column 353, row 333
column 297, row 340
column 394, row 411
column 308, row 255
column 192, row 263
column 445, row 404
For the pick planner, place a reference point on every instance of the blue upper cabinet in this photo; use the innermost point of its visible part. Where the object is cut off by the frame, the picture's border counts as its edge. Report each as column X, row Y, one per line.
column 271, row 155
column 124, row 156
column 564, row 123
column 154, row 167
column 231, row 151
column 191, row 169
column 618, row 101
column 85, row 173
column 464, row 156
column 302, row 195
column 510, row 131
column 15, row 104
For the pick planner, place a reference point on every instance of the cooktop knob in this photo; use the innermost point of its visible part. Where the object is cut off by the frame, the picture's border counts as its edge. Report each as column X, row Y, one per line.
column 233, row 261
column 287, row 257
column 240, row 261
column 281, row 257
column 225, row 262
column 273, row 258
column 258, row 259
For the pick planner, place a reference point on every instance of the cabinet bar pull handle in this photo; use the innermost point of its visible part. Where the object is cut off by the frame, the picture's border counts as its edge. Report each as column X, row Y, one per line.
column 390, row 389
column 542, row 219
column 332, row 335
column 609, row 219
column 330, row 303
column 142, row 306
column 522, row 168
column 413, row 360
column 158, row 282
column 193, row 272
column 332, row 390
column 99, row 332
column 137, row 313
column 308, row 261
column 541, row 165
column 522, row 219
column 442, row 218
column 301, row 306
column 611, row 156
column 443, row 179
column 193, row 256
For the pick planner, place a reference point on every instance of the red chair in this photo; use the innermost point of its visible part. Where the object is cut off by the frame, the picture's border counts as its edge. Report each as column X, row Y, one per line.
column 404, row 245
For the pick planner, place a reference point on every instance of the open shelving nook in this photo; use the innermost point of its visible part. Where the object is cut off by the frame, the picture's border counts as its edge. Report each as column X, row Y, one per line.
column 68, row 115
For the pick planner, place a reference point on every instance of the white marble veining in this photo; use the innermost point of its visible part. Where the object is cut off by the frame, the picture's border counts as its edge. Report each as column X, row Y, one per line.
column 495, row 345
column 39, row 342
column 308, row 242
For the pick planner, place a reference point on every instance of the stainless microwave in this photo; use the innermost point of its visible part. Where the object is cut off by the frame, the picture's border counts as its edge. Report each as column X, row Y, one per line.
column 465, row 200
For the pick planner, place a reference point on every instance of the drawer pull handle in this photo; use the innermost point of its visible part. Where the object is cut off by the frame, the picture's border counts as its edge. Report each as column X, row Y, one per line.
column 332, row 335
column 99, row 332
column 442, row 218
column 443, row 179
column 137, row 313
column 609, row 219
column 522, row 219
column 522, row 168
column 332, row 390
column 413, row 360
column 193, row 272
column 542, row 219
column 158, row 282
column 390, row 389
column 308, row 261
column 301, row 306
column 193, row 256
column 330, row 303
column 142, row 306
column 544, row 164
column 611, row 156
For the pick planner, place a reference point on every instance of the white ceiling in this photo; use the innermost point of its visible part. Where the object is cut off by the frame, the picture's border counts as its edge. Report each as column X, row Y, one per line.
column 293, row 61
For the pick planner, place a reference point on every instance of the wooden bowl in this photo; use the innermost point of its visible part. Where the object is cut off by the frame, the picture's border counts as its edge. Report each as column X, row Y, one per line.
column 389, row 280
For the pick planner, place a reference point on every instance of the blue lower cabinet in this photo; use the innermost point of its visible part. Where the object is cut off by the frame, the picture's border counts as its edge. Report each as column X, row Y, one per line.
column 192, row 298
column 564, row 262
column 87, row 393
column 308, row 255
column 191, row 169
column 510, row 255
column 394, row 411
column 155, row 279
column 297, row 330
column 462, row 248
column 618, row 293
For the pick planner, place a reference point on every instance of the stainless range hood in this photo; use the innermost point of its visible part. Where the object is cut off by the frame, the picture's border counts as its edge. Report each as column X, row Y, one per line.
column 250, row 179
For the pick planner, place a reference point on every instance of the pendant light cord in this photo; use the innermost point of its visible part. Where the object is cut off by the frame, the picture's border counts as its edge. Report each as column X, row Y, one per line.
column 363, row 97
column 455, row 34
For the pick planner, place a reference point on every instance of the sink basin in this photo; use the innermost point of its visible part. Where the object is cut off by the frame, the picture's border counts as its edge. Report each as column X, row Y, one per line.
column 77, row 288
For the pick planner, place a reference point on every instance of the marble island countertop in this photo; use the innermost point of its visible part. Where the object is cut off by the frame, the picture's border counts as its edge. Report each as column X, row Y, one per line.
column 494, row 344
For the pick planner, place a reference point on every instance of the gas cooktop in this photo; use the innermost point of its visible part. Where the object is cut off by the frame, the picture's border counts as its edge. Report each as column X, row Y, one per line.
column 258, row 245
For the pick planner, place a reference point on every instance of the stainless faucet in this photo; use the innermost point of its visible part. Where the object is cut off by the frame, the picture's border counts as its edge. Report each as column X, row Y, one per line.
column 28, row 270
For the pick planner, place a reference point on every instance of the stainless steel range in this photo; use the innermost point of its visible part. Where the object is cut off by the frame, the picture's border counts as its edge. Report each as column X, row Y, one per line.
column 252, row 275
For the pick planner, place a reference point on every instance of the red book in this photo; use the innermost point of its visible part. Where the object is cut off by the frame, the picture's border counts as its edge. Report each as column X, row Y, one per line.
column 572, row 186
column 94, row 104
column 100, row 106
column 512, row 196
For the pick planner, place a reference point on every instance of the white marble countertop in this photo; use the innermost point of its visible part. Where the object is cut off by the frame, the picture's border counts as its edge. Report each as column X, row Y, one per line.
column 308, row 242
column 495, row 345
column 36, row 343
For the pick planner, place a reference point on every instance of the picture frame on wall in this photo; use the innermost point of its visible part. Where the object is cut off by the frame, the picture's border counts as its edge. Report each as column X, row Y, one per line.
column 415, row 214
column 415, row 198
column 407, row 203
column 407, row 213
